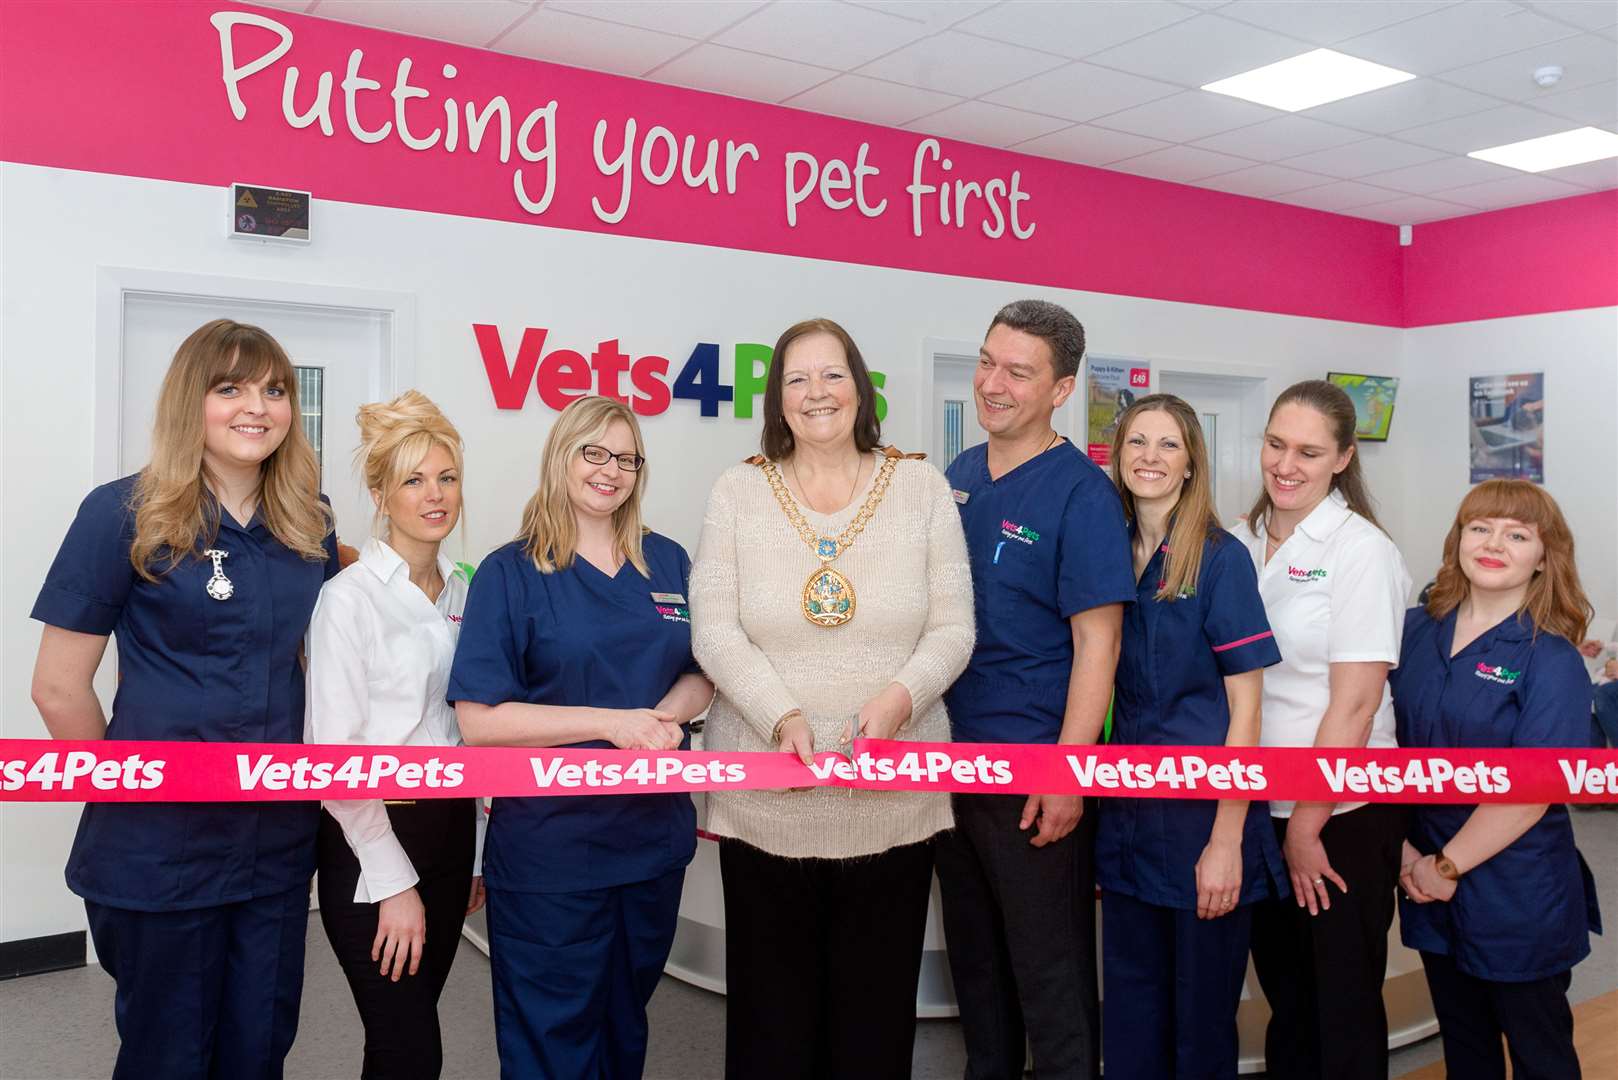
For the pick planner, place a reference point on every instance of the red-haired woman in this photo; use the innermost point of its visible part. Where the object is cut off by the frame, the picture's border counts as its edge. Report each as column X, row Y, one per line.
column 1498, row 900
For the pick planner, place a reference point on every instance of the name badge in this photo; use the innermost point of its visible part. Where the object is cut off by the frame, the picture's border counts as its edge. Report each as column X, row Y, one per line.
column 667, row 598
column 961, row 496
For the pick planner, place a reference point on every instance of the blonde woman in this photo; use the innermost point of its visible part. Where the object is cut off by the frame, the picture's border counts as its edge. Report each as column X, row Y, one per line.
column 577, row 634
column 205, row 565
column 396, row 879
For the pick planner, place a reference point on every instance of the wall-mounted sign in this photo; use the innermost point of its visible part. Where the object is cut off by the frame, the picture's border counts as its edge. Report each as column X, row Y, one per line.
column 558, row 376
column 1110, row 387
column 1507, row 427
column 269, row 213
column 1373, row 397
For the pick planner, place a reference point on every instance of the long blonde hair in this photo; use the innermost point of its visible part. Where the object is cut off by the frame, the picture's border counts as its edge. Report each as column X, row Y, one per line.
column 1555, row 600
column 395, row 438
column 1193, row 515
column 550, row 532
column 176, row 514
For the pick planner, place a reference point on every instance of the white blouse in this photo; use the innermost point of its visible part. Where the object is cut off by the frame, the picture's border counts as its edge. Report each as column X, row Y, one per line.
column 379, row 657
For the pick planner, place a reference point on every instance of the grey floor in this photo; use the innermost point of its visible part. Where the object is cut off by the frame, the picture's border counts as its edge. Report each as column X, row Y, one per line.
column 59, row 1026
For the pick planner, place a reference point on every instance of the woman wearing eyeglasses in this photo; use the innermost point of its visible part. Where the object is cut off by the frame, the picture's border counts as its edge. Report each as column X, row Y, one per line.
column 577, row 634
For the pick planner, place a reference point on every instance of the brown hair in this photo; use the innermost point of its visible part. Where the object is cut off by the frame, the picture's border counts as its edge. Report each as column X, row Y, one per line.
column 1333, row 403
column 776, row 441
column 1555, row 600
column 1053, row 324
column 550, row 531
column 1193, row 516
column 175, row 514
column 395, row 437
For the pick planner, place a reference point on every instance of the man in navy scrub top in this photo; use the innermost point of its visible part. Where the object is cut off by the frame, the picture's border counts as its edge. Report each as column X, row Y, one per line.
column 578, row 634
column 205, row 566
column 1051, row 572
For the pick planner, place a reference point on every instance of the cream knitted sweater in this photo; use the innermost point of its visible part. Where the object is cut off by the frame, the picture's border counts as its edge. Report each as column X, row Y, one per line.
column 912, row 625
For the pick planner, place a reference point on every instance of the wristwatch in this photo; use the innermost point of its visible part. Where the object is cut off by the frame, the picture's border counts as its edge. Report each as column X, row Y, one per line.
column 1446, row 869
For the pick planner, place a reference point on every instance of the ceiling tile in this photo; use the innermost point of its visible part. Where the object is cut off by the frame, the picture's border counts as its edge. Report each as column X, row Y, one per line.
column 871, row 100
column 1326, row 22
column 934, row 14
column 991, row 125
column 1082, row 91
column 689, row 18
column 1085, row 145
column 1186, row 116
column 1595, row 175
column 1455, row 36
column 1420, row 101
column 1265, row 181
column 553, row 35
column 1363, row 158
column 1585, row 60
column 740, row 74
column 955, row 63
column 1074, row 29
column 1184, row 164
column 828, row 33
column 1285, row 136
column 1589, row 14
column 1343, row 195
column 1512, row 191
column 1199, row 51
column 1412, row 210
column 467, row 22
column 1507, row 124
column 1596, row 105
column 1446, row 172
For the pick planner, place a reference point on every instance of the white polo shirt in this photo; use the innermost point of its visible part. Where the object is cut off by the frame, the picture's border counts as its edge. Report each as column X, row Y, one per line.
column 379, row 655
column 1335, row 592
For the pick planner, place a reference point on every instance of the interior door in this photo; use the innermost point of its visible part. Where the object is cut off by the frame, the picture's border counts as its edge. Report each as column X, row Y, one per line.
column 955, row 414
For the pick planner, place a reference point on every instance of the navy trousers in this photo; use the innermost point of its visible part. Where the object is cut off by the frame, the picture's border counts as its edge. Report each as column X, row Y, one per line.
column 1474, row 1013
column 573, row 973
column 206, row 994
column 1171, row 983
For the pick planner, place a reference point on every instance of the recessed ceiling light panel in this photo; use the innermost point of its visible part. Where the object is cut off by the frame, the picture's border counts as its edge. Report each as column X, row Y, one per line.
column 1553, row 151
column 1309, row 80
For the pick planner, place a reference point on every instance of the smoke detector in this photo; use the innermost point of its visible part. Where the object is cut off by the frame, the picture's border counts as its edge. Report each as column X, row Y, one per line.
column 1549, row 75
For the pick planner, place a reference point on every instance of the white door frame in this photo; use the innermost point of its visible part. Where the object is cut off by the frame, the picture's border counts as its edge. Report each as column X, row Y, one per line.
column 115, row 283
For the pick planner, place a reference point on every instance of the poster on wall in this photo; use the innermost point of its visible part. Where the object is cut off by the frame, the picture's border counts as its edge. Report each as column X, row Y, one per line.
column 1507, row 427
column 1373, row 397
column 1111, row 386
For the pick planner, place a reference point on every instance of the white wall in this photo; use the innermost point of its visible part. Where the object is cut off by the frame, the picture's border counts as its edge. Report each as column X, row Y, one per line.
column 58, row 227
column 1578, row 352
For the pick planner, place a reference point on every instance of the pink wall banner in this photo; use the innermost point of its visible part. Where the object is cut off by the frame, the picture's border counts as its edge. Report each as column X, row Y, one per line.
column 215, row 93
column 43, row 770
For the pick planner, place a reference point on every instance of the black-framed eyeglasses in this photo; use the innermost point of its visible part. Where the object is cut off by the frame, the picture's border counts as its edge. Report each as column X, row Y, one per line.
column 600, row 455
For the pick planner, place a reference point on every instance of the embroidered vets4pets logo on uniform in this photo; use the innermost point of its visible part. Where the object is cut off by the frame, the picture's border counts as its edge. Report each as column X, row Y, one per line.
column 1021, row 533
column 674, row 613
column 1297, row 573
column 1497, row 674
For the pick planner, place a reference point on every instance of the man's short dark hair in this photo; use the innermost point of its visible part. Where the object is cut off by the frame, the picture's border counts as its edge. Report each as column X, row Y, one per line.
column 1051, row 323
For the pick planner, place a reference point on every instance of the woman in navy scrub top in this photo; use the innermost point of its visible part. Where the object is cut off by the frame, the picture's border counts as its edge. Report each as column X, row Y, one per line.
column 205, row 565
column 1497, row 899
column 1177, row 875
column 577, row 634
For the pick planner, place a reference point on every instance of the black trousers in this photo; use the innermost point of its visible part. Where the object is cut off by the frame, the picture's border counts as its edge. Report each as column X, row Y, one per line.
column 1322, row 974
column 1474, row 1013
column 402, row 1038
column 1020, row 922
column 822, row 957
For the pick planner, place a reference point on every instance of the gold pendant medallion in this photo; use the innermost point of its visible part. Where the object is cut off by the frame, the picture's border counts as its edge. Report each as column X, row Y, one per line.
column 828, row 598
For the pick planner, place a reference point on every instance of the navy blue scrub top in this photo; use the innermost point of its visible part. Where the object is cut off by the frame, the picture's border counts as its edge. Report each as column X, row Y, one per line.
column 1525, row 914
column 577, row 637
column 192, row 669
column 1170, row 691
column 1046, row 541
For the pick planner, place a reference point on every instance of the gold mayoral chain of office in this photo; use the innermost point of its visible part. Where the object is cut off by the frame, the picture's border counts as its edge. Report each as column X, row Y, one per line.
column 828, row 596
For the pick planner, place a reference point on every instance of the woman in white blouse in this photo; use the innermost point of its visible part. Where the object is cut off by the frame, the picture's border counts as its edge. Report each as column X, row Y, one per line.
column 396, row 878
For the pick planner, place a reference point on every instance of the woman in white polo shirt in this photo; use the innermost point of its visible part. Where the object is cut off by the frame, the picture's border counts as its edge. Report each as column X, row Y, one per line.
column 1334, row 589
column 396, row 878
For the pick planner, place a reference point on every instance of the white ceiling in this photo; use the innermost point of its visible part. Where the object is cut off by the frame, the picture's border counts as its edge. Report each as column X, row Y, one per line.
column 1114, row 83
